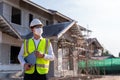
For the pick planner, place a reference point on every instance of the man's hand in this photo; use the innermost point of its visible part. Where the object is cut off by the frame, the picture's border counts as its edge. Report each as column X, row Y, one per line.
column 27, row 66
column 39, row 55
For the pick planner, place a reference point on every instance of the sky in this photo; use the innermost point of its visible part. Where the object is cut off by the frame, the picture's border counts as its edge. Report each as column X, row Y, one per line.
column 100, row 16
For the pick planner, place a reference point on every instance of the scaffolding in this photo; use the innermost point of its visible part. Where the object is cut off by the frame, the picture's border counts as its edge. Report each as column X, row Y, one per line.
column 74, row 52
column 85, row 69
column 87, row 66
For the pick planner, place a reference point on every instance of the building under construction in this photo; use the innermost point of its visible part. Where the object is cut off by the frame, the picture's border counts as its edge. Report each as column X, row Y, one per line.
column 69, row 42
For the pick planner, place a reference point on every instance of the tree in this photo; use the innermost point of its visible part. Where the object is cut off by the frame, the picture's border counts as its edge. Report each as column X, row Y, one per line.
column 119, row 54
column 106, row 53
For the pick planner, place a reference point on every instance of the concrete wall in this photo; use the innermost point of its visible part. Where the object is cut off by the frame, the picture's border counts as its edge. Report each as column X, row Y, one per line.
column 4, row 53
column 6, row 39
column 0, row 37
column 25, row 18
column 0, row 54
column 0, row 47
column 10, row 67
column 7, row 9
column 6, row 42
column 1, row 8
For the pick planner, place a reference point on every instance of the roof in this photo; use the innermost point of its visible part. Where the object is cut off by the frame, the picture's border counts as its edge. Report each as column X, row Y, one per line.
column 59, row 14
column 57, row 30
column 94, row 40
column 53, row 31
column 46, row 10
column 37, row 6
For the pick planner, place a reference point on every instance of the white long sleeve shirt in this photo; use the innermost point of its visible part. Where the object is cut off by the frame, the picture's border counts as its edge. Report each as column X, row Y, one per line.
column 49, row 56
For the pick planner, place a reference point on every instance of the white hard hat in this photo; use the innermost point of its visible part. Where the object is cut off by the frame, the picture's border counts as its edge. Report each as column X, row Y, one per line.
column 35, row 22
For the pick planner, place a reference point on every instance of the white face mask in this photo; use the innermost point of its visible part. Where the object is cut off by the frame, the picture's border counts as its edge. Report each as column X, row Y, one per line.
column 38, row 31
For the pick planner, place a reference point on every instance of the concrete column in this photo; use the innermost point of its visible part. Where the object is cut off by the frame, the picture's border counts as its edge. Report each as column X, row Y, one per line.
column 53, row 70
column 55, row 49
column 4, row 53
column 75, row 63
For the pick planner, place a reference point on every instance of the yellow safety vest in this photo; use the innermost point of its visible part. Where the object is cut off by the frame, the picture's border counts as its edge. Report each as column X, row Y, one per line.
column 42, row 65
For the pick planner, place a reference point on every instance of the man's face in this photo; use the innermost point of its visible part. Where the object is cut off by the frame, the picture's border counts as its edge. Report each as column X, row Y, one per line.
column 37, row 30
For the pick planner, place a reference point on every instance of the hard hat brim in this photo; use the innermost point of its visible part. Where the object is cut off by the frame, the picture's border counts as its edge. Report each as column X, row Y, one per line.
column 41, row 25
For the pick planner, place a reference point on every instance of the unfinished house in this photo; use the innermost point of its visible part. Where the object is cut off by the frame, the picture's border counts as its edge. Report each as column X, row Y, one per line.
column 95, row 47
column 91, row 46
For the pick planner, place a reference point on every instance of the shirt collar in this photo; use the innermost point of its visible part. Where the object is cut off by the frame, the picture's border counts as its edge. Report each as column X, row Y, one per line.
column 38, row 39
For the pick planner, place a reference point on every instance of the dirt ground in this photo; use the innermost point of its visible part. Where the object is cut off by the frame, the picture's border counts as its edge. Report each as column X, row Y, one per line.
column 110, row 77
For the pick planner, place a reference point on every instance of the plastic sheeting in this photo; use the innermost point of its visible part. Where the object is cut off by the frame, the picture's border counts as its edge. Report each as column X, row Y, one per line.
column 107, row 64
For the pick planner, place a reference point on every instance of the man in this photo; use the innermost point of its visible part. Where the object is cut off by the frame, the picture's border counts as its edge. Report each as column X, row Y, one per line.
column 42, row 49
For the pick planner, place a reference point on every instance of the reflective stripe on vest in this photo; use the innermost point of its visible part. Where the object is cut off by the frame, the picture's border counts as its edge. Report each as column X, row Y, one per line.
column 42, row 65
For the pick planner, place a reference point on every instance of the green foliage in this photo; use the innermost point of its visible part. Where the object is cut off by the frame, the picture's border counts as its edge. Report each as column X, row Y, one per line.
column 106, row 53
